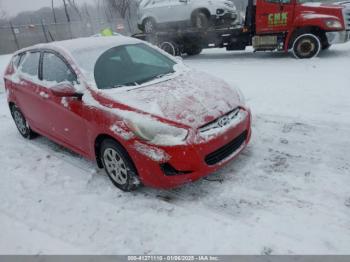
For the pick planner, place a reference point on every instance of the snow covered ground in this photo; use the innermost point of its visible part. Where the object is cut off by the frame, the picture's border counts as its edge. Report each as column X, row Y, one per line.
column 288, row 193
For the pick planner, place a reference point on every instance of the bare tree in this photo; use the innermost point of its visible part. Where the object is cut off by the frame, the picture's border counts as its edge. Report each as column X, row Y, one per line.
column 2, row 11
column 75, row 7
column 123, row 8
column 53, row 12
column 66, row 10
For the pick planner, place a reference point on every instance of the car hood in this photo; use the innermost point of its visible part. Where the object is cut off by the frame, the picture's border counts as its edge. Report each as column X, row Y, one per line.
column 320, row 6
column 192, row 98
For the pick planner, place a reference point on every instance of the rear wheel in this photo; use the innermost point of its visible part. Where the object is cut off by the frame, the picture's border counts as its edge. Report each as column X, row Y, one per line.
column 21, row 123
column 171, row 48
column 193, row 50
column 306, row 46
column 119, row 166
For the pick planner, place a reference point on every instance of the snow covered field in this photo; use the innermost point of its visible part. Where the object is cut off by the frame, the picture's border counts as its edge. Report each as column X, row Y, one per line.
column 288, row 193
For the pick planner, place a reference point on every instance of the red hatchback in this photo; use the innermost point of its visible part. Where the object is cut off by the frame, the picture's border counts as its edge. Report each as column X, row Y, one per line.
column 142, row 114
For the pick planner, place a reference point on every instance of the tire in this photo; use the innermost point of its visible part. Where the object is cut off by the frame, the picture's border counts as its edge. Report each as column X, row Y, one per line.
column 149, row 26
column 193, row 50
column 119, row 166
column 326, row 46
column 306, row 46
column 21, row 123
column 171, row 48
column 200, row 20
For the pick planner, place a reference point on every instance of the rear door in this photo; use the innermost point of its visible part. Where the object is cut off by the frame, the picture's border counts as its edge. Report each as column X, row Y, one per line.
column 274, row 16
column 66, row 114
column 28, row 92
column 159, row 9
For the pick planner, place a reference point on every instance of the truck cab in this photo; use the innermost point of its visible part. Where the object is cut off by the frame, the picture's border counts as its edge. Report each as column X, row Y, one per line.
column 304, row 26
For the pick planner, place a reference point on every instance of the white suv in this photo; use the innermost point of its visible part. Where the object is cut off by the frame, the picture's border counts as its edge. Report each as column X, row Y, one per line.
column 154, row 14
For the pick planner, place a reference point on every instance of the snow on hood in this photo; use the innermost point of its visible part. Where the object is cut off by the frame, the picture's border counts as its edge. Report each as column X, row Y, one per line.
column 192, row 98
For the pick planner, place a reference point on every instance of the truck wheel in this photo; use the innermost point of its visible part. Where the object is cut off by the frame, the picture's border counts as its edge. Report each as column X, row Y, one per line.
column 326, row 46
column 193, row 50
column 149, row 26
column 306, row 46
column 200, row 20
column 171, row 48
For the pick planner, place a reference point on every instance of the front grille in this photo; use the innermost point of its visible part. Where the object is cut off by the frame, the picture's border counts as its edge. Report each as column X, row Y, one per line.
column 227, row 150
column 230, row 116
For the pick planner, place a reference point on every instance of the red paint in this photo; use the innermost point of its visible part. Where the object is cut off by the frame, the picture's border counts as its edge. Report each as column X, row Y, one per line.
column 299, row 16
column 76, row 125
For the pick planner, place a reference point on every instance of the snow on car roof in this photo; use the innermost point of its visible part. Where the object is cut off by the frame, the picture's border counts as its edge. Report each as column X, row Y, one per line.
column 85, row 43
column 86, row 51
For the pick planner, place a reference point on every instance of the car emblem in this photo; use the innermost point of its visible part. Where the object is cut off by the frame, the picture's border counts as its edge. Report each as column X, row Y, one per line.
column 223, row 121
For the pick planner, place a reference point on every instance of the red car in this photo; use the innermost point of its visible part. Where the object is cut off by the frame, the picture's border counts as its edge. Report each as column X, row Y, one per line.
column 141, row 114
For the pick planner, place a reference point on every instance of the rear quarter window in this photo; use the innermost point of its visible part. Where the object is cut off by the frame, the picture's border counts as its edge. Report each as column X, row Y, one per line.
column 30, row 64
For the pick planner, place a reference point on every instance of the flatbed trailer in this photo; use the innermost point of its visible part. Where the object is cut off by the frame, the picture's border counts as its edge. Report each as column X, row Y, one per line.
column 192, row 41
column 270, row 25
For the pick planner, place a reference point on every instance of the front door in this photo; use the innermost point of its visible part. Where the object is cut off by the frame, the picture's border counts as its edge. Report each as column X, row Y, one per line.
column 274, row 16
column 66, row 114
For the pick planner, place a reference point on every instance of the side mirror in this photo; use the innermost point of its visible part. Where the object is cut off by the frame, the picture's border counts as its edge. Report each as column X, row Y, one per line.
column 65, row 90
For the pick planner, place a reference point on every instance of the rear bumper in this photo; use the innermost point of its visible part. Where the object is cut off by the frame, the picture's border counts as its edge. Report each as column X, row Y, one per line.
column 189, row 160
column 338, row 37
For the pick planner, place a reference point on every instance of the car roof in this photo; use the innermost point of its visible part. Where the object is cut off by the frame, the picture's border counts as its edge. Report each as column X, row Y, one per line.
column 74, row 45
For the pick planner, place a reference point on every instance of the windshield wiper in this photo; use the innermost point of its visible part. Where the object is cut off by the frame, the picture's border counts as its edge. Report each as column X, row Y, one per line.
column 155, row 77
column 127, row 84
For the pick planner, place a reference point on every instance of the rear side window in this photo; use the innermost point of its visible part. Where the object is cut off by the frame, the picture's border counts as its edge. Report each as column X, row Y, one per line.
column 17, row 60
column 56, row 70
column 30, row 63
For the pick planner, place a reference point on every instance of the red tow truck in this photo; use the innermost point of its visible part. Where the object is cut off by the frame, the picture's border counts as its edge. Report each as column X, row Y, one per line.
column 301, row 26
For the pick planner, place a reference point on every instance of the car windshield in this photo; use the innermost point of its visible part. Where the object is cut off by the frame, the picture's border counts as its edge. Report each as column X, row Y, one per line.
column 131, row 65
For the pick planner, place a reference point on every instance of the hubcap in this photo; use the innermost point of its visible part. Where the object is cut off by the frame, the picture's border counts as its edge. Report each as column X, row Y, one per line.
column 199, row 22
column 149, row 27
column 169, row 48
column 115, row 166
column 306, row 47
column 20, row 122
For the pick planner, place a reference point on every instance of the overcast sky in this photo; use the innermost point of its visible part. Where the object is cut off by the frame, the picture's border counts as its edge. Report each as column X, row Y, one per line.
column 13, row 7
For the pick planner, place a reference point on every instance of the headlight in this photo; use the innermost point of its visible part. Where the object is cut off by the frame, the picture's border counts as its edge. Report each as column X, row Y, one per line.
column 157, row 133
column 335, row 24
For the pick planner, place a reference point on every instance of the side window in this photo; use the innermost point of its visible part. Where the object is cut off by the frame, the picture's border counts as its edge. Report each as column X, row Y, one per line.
column 30, row 64
column 56, row 70
column 16, row 61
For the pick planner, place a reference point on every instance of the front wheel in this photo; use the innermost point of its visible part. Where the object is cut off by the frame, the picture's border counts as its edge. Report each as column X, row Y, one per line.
column 200, row 20
column 21, row 123
column 306, row 46
column 149, row 26
column 193, row 50
column 119, row 166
